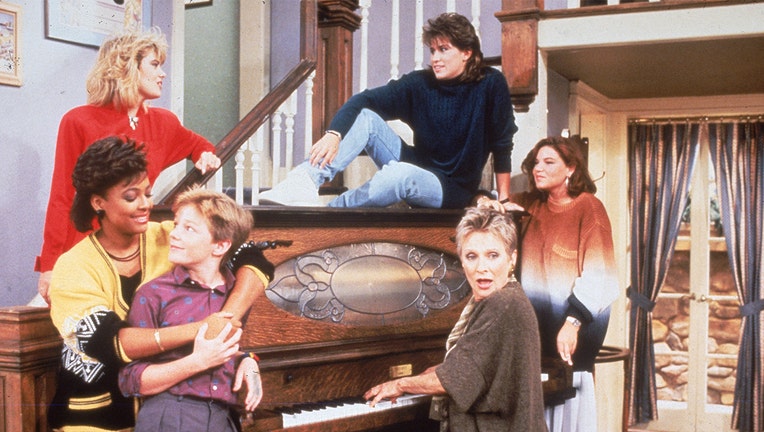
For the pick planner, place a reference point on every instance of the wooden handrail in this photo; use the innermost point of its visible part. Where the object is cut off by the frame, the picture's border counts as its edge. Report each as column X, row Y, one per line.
column 230, row 144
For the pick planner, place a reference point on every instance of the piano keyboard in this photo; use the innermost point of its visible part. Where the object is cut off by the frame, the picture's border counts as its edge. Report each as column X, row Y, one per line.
column 331, row 410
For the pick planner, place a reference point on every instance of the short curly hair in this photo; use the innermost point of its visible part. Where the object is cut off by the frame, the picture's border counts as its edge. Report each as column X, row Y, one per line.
column 105, row 163
column 477, row 219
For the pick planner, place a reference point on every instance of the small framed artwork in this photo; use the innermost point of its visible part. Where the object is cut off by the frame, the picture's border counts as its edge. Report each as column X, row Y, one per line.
column 89, row 22
column 195, row 3
column 10, row 34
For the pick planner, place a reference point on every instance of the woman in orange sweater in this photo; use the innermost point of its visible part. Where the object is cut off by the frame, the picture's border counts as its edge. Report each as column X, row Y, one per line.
column 567, row 268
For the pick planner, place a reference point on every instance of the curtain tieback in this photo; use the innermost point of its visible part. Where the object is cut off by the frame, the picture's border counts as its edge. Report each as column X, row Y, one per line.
column 640, row 299
column 752, row 308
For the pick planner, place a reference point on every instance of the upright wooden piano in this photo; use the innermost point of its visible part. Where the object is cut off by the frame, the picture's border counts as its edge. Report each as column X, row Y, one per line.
column 360, row 296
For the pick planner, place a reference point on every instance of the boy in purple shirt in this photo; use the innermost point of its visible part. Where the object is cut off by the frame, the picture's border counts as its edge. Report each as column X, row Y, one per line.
column 193, row 389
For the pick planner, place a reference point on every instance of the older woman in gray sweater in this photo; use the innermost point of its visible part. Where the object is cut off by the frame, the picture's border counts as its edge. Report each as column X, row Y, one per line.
column 490, row 378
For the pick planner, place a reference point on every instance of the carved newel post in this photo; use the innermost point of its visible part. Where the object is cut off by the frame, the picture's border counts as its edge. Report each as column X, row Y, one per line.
column 334, row 69
column 30, row 348
column 334, row 65
column 519, row 41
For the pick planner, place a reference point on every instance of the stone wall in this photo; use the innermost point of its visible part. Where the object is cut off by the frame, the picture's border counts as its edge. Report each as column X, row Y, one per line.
column 671, row 328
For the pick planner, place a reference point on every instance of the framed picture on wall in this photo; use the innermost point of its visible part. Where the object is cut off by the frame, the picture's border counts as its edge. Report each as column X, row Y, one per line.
column 89, row 22
column 10, row 33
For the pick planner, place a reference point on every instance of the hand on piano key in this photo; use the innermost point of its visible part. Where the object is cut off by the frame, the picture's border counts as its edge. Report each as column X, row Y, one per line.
column 341, row 408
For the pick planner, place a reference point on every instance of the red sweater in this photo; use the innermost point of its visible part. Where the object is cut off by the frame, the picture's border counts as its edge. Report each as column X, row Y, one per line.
column 166, row 142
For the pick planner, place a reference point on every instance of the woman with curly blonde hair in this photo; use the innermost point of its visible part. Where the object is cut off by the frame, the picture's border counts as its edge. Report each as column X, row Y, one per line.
column 127, row 74
column 115, row 76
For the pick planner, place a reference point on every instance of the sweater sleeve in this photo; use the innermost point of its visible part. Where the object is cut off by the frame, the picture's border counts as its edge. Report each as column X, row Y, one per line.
column 390, row 101
column 58, row 228
column 501, row 128
column 463, row 372
column 470, row 368
column 82, row 306
column 172, row 142
column 597, row 286
column 496, row 367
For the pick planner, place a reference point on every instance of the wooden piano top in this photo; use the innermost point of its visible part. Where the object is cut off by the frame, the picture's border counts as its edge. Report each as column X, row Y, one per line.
column 311, row 228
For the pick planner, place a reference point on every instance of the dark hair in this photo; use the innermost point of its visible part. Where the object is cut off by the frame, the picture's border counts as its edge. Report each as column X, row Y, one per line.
column 106, row 163
column 460, row 32
column 570, row 153
column 477, row 219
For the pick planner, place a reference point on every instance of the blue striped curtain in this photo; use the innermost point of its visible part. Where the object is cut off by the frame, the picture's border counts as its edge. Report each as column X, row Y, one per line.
column 737, row 152
column 661, row 159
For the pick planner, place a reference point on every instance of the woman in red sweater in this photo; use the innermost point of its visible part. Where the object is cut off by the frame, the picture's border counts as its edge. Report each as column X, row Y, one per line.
column 127, row 74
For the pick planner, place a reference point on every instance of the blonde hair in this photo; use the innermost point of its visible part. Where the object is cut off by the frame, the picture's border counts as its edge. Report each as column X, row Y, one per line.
column 115, row 74
column 225, row 219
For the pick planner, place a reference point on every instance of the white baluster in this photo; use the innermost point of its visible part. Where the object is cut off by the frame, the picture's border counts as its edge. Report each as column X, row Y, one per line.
column 256, row 145
column 476, row 16
column 395, row 41
column 574, row 4
column 363, row 73
column 451, row 6
column 216, row 182
column 309, row 114
column 276, row 145
column 239, row 175
column 418, row 46
column 290, row 110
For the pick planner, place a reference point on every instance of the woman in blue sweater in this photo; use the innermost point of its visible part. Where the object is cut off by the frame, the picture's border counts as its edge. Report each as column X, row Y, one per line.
column 459, row 110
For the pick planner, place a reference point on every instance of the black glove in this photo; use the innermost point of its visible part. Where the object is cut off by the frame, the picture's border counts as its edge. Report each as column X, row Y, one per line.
column 250, row 253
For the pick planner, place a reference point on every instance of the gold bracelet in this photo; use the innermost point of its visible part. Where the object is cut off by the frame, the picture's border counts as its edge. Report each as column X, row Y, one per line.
column 158, row 340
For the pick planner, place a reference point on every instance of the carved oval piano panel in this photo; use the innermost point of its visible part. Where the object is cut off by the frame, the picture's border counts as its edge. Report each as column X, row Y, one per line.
column 356, row 284
column 368, row 284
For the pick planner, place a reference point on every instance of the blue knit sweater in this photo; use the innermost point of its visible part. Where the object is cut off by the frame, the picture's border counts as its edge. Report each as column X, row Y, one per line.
column 456, row 126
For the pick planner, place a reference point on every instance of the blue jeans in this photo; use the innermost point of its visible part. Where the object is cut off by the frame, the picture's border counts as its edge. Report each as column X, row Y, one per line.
column 395, row 181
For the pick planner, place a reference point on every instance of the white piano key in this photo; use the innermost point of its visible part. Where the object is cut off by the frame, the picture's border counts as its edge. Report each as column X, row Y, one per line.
column 348, row 409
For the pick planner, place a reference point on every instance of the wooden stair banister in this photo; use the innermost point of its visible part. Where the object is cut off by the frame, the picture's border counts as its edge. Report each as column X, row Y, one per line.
column 230, row 144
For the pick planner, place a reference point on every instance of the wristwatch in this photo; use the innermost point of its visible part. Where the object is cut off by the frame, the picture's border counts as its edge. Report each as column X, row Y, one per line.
column 575, row 322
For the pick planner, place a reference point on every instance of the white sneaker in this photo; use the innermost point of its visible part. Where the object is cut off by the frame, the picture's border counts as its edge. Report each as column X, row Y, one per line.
column 297, row 189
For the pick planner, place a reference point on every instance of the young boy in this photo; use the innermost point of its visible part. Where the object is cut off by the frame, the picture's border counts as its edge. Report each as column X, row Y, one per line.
column 187, row 390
